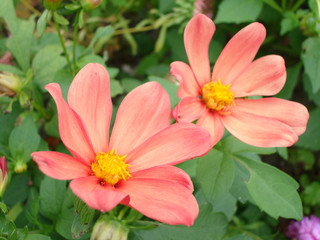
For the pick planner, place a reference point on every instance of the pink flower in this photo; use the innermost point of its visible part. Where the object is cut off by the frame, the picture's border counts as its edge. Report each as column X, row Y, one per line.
column 218, row 100
column 3, row 175
column 306, row 229
column 134, row 167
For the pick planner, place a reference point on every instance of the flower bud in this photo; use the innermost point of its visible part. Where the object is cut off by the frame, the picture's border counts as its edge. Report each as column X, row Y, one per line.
column 3, row 175
column 88, row 5
column 20, row 167
column 10, row 84
column 52, row 4
column 111, row 229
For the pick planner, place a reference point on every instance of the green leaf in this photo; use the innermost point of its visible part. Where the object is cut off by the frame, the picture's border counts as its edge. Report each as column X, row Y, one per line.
column 8, row 120
column 130, row 83
column 52, row 194
column 78, row 228
column 7, row 11
column 170, row 88
column 311, row 61
column 293, row 74
column 233, row 145
column 64, row 223
column 86, row 213
column 42, row 22
column 215, row 173
column 115, row 88
column 24, row 140
column 311, row 138
column 106, row 31
column 60, row 19
column 209, row 225
column 11, row 195
column 315, row 97
column 272, row 190
column 90, row 59
column 9, row 68
column 20, row 43
column 72, row 7
column 311, row 194
column 239, row 11
column 46, row 63
column 290, row 21
column 36, row 236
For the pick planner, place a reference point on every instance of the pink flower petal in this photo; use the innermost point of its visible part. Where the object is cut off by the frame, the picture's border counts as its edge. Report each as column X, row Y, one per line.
column 265, row 76
column 188, row 84
column 197, row 37
column 100, row 197
column 142, row 113
column 238, row 53
column 89, row 97
column 71, row 128
column 175, row 144
column 60, row 166
column 162, row 200
column 168, row 173
column 189, row 109
column 260, row 131
column 212, row 122
column 293, row 114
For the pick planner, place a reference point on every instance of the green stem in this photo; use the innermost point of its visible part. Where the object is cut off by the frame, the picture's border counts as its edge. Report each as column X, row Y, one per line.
column 297, row 5
column 62, row 44
column 274, row 5
column 123, row 212
column 75, row 37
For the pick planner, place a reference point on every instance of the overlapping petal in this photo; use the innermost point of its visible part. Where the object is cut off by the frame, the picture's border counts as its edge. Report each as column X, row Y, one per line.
column 197, row 37
column 89, row 97
column 265, row 76
column 238, row 53
column 60, row 166
column 293, row 114
column 212, row 122
column 188, row 84
column 142, row 113
column 95, row 195
column 162, row 200
column 168, row 173
column 260, row 131
column 176, row 143
column 71, row 128
column 189, row 109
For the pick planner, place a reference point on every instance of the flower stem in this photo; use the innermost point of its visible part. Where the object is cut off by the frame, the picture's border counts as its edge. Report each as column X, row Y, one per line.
column 123, row 212
column 75, row 36
column 62, row 44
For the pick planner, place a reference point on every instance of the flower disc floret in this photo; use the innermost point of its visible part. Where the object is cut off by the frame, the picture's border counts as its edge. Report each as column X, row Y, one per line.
column 217, row 96
column 110, row 168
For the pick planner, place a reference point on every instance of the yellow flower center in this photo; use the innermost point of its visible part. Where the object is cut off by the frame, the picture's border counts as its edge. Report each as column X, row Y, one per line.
column 217, row 96
column 110, row 167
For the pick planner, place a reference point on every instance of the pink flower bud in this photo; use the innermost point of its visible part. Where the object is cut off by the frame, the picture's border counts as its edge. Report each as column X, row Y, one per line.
column 90, row 4
column 3, row 175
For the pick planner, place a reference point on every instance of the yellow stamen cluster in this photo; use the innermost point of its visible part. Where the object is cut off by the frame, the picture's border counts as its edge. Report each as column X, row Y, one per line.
column 217, row 96
column 110, row 167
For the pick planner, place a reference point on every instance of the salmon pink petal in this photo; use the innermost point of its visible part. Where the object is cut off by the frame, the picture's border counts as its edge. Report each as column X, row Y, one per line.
column 265, row 76
column 188, row 84
column 89, row 97
column 212, row 122
column 100, row 197
column 177, row 143
column 142, row 113
column 60, row 166
column 71, row 128
column 293, row 114
column 238, row 53
column 168, row 173
column 197, row 37
column 162, row 200
column 189, row 109
column 259, row 131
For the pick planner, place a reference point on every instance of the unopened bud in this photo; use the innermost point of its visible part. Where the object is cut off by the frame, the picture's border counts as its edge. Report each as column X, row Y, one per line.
column 3, row 175
column 111, row 229
column 52, row 4
column 10, row 84
column 20, row 167
column 88, row 5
